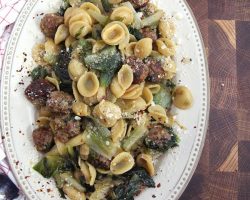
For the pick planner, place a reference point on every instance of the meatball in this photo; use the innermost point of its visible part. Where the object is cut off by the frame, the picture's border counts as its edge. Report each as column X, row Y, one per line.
column 140, row 69
column 139, row 3
column 66, row 127
column 60, row 102
column 38, row 91
column 50, row 23
column 156, row 71
column 43, row 139
column 149, row 33
column 158, row 138
column 99, row 161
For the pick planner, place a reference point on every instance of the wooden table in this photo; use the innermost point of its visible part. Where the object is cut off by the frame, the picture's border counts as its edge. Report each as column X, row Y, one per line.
column 223, row 172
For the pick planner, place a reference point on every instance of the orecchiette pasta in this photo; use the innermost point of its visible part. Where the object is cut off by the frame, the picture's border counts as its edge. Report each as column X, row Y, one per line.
column 147, row 95
column 116, row 88
column 125, row 77
column 107, row 112
column 99, row 45
column 133, row 92
column 51, row 51
column 123, row 14
column 73, row 193
column 38, row 52
column 122, row 163
column 69, row 41
column 129, row 50
column 84, row 151
column 88, row 171
column 61, row 34
column 54, row 81
column 166, row 28
column 101, row 94
column 43, row 121
column 133, row 105
column 79, row 29
column 182, row 97
column 76, row 94
column 143, row 48
column 118, row 131
column 116, row 33
column 154, row 88
column 114, row 1
column 76, row 69
column 158, row 113
column 146, row 161
column 88, row 84
column 80, row 15
column 88, row 7
column 165, row 46
column 169, row 68
column 81, row 109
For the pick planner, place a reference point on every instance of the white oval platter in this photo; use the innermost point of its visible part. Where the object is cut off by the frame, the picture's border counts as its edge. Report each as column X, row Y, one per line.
column 17, row 115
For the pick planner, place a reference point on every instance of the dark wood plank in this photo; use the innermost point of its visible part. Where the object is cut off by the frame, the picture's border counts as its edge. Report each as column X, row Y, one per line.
column 221, row 9
column 243, row 186
column 244, row 158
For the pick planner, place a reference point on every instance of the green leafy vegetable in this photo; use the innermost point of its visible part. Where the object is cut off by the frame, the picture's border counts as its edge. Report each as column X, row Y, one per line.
column 163, row 97
column 39, row 73
column 96, row 32
column 135, row 181
column 170, row 84
column 102, row 19
column 98, row 139
column 63, row 7
column 135, row 32
column 106, row 78
column 105, row 60
column 135, row 136
column 106, row 5
column 163, row 144
column 50, row 164
column 153, row 20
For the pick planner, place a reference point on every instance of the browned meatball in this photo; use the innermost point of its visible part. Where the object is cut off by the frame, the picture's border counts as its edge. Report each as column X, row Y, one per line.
column 99, row 161
column 38, row 91
column 66, row 127
column 158, row 138
column 43, row 139
column 139, row 3
column 156, row 72
column 140, row 70
column 149, row 33
column 60, row 102
column 50, row 23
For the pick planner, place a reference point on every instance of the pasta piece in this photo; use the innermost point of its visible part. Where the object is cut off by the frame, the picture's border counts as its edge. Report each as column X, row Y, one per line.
column 61, row 34
column 99, row 45
column 132, row 106
column 146, row 161
column 43, row 121
column 129, row 50
column 51, row 51
column 80, row 13
column 38, row 52
column 116, row 88
column 122, row 163
column 76, row 69
column 88, row 84
column 81, row 109
column 61, row 147
column 81, row 16
column 109, row 96
column 123, row 14
column 84, row 151
column 102, row 171
column 158, row 113
column 54, row 81
column 101, row 94
column 166, row 29
column 134, row 91
column 72, row 193
column 132, row 38
column 125, row 77
column 79, row 29
column 69, row 41
column 182, row 97
column 87, row 6
column 90, row 100
column 170, row 68
column 107, row 113
column 118, row 131
column 88, row 171
column 143, row 48
column 74, row 3
column 76, row 94
column 114, row 1
column 165, row 46
column 154, row 88
column 147, row 95
column 67, row 15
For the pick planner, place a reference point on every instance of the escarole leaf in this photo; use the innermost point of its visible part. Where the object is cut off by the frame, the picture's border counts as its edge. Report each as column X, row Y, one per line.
column 97, row 137
column 163, row 97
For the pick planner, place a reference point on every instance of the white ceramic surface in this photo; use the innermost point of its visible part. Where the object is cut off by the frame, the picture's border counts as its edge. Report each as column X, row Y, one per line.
column 17, row 115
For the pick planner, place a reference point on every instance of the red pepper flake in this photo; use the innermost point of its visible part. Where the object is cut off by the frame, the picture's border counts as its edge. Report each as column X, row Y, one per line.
column 26, row 177
column 3, row 137
column 39, row 190
column 49, row 190
column 195, row 127
column 42, row 14
column 153, row 196
column 19, row 70
column 158, row 185
column 25, row 59
column 17, row 162
column 25, row 54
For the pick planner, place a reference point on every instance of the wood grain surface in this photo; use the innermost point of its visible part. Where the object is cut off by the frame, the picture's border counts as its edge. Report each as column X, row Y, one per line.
column 223, row 172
